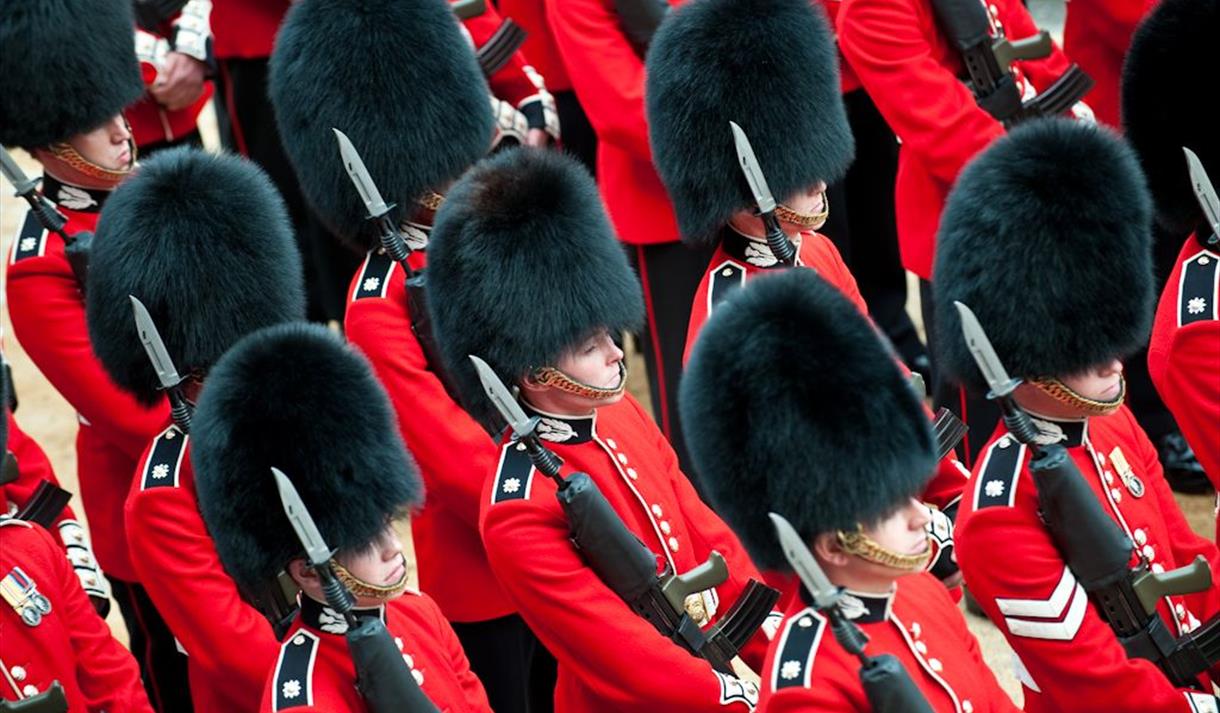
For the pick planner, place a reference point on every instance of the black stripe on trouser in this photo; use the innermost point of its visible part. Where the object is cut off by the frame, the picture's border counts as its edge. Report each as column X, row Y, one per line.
column 672, row 272
column 502, row 653
column 162, row 665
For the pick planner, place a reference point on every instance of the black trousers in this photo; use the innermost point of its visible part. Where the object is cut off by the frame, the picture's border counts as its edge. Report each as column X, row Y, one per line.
column 863, row 227
column 162, row 665
column 579, row 138
column 517, row 671
column 247, row 124
column 670, row 274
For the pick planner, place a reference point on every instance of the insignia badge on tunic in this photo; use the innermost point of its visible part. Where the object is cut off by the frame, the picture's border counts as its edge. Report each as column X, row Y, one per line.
column 23, row 596
column 1135, row 486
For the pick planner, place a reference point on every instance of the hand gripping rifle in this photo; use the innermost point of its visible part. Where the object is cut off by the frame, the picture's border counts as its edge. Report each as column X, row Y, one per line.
column 777, row 240
column 625, row 564
column 887, row 685
column 395, row 245
column 76, row 247
column 1093, row 546
column 1205, row 193
column 382, row 677
column 966, row 24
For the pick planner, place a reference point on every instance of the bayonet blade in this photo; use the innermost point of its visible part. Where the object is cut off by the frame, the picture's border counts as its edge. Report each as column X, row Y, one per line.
column 825, row 594
column 751, row 170
column 1205, row 192
column 354, row 165
column 984, row 354
column 503, row 399
column 13, row 173
column 167, row 374
column 302, row 522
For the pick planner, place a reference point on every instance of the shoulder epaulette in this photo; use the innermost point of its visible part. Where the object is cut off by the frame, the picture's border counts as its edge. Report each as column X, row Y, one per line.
column 374, row 275
column 798, row 645
column 514, row 475
column 726, row 277
column 1197, row 289
column 999, row 474
column 31, row 239
column 294, row 671
column 164, row 460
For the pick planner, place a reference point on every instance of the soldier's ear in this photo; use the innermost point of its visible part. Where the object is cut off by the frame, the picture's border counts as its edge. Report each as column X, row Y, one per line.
column 827, row 549
column 304, row 575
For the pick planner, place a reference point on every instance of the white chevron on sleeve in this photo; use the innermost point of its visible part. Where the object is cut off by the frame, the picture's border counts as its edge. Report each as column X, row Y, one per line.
column 1058, row 617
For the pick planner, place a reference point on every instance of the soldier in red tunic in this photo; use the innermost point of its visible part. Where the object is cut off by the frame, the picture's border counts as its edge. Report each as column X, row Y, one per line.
column 449, row 127
column 1160, row 121
column 175, row 53
column 67, row 75
column 296, row 398
column 1020, row 245
column 204, row 243
column 793, row 405
column 525, row 272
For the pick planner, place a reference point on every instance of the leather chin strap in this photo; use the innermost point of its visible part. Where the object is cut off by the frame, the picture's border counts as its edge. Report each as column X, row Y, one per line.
column 805, row 221
column 550, row 376
column 70, row 166
column 364, row 590
column 861, row 545
column 1060, row 392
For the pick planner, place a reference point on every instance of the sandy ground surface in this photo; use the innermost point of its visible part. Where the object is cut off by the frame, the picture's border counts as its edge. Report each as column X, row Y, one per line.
column 52, row 422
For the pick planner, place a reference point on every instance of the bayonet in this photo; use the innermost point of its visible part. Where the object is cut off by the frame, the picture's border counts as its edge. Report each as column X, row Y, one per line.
column 21, row 183
column 27, row 188
column 777, row 240
column 379, row 211
column 984, row 354
column 311, row 539
column 825, row 594
column 1205, row 192
column 167, row 373
column 523, row 427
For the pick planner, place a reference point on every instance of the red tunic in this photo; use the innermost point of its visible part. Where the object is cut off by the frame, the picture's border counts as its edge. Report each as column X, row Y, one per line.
column 1067, row 653
column 808, row 670
column 150, row 122
column 245, row 29
column 512, row 83
column 70, row 643
column 33, row 468
column 1184, row 353
column 610, row 659
column 48, row 313
column 608, row 77
column 1096, row 36
column 911, row 72
column 314, row 671
column 453, row 452
column 539, row 44
column 229, row 646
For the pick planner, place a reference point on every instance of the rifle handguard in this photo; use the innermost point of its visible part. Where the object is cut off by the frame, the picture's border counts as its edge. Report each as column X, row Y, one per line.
column 889, row 687
column 382, row 676
column 778, row 241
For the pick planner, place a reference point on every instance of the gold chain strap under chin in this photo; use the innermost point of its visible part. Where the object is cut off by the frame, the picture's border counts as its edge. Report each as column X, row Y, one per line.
column 363, row 590
column 550, row 376
column 70, row 156
column 861, row 545
column 1062, row 393
column 805, row 221
column 431, row 200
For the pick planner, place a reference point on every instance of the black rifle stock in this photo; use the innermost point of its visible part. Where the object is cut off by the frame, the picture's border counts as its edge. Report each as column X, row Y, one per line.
column 384, row 681
column 51, row 700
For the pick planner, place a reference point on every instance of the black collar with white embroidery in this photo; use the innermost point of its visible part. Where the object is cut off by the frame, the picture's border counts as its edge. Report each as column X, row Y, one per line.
column 861, row 608
column 321, row 617
column 72, row 197
column 568, row 430
column 1068, row 433
column 748, row 250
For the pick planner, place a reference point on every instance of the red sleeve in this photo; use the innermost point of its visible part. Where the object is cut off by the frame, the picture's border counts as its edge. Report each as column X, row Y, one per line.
column 511, row 83
column 606, row 73
column 48, row 315
column 996, row 695
column 33, row 467
column 1189, row 383
column 108, row 676
column 928, row 107
column 1070, row 652
column 944, row 490
column 454, row 453
column 1042, row 72
column 618, row 656
column 472, row 688
column 176, row 561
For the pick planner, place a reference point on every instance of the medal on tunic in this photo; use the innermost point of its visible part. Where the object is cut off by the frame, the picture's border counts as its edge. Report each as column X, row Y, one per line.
column 1135, row 486
column 23, row 596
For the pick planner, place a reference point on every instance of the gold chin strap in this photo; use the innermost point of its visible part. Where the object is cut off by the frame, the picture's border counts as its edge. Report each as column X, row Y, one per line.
column 805, row 221
column 861, row 545
column 430, row 200
column 363, row 590
column 1060, row 392
column 550, row 376
column 64, row 152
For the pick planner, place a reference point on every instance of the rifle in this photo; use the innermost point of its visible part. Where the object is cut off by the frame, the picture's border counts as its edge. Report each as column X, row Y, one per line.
column 887, row 685
column 1093, row 546
column 777, row 240
column 51, row 700
column 382, row 677
column 966, row 24
column 625, row 564
column 76, row 247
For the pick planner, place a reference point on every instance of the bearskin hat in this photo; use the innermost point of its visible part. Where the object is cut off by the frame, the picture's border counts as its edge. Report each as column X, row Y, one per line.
column 1160, row 105
column 400, row 80
column 522, row 264
column 295, row 397
column 791, row 404
column 1055, row 261
column 770, row 66
column 67, row 66
column 203, row 240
